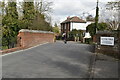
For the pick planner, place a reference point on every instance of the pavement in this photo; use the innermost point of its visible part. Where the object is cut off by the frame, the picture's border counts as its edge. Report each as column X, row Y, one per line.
column 106, row 67
column 58, row 60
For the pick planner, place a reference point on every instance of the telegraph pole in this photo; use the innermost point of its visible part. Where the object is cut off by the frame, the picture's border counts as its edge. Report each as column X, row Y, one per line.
column 96, row 18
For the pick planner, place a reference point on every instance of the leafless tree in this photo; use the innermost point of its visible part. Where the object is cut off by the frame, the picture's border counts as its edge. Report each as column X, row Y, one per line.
column 110, row 15
column 44, row 7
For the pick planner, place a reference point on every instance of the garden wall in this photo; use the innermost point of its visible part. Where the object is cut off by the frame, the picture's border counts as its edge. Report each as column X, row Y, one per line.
column 112, row 50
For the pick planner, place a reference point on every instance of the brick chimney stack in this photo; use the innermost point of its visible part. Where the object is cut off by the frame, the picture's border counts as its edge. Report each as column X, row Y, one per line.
column 68, row 17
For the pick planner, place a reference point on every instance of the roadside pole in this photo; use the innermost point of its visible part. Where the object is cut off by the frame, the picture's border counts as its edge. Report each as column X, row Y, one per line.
column 96, row 17
column 93, row 63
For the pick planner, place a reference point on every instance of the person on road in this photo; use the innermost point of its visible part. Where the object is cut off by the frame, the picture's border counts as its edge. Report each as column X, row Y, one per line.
column 64, row 36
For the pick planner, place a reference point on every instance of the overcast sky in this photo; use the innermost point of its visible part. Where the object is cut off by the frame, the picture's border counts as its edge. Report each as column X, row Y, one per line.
column 64, row 8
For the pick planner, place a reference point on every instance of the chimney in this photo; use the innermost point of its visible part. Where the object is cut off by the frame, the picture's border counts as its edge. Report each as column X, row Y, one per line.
column 68, row 17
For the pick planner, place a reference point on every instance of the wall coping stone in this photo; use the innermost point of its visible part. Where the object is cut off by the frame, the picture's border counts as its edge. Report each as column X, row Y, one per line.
column 104, row 32
column 35, row 31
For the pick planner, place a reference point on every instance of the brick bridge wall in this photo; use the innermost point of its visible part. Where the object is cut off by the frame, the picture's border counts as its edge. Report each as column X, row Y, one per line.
column 28, row 38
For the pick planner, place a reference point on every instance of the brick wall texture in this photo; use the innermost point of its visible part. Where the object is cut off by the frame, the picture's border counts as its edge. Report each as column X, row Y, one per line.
column 28, row 38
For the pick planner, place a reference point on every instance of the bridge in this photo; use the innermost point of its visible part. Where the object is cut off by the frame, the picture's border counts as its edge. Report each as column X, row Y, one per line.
column 58, row 60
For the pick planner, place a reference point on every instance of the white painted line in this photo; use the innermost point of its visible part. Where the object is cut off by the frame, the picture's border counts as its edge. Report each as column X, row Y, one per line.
column 23, row 49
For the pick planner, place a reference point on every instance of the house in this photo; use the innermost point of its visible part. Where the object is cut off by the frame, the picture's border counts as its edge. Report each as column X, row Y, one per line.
column 74, row 23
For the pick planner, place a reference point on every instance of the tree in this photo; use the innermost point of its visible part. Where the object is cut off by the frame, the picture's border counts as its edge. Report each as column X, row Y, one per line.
column 27, row 17
column 10, row 25
column 39, row 23
column 56, row 29
column 34, row 17
column 44, row 7
column 2, row 8
column 28, row 14
column 90, row 18
column 112, row 10
column 101, row 27
column 42, row 20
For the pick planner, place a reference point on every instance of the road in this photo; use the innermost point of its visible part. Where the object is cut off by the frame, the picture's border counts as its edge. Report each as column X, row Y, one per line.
column 51, row 60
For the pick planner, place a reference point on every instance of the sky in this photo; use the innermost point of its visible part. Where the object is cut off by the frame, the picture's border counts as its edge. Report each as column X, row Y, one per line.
column 64, row 8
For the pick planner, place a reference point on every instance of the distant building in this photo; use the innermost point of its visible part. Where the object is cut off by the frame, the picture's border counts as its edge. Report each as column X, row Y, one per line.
column 74, row 23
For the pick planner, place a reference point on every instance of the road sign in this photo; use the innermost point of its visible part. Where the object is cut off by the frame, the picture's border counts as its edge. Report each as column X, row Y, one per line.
column 107, row 41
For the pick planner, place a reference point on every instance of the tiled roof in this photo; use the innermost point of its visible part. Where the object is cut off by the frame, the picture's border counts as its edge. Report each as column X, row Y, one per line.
column 74, row 19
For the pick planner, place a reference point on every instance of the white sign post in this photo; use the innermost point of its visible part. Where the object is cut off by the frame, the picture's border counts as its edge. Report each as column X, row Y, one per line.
column 107, row 41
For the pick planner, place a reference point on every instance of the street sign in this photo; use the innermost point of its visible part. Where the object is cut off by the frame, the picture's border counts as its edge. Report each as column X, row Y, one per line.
column 107, row 41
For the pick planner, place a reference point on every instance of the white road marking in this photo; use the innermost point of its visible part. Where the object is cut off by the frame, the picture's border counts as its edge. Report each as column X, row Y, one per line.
column 23, row 49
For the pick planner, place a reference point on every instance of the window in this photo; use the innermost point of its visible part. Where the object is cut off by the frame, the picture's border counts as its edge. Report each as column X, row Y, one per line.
column 65, row 26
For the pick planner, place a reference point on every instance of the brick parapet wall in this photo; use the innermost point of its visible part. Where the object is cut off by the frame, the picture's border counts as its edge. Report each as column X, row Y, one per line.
column 28, row 38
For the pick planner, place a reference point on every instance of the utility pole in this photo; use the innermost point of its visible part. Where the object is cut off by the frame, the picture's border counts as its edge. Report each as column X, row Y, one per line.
column 96, row 18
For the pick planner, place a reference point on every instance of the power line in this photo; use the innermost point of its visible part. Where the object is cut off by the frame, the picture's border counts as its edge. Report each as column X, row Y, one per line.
column 87, row 12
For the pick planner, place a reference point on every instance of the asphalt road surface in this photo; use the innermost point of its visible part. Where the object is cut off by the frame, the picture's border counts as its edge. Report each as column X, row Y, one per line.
column 52, row 60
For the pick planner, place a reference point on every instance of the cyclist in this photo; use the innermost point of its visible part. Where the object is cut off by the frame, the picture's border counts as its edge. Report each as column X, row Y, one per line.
column 64, row 36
